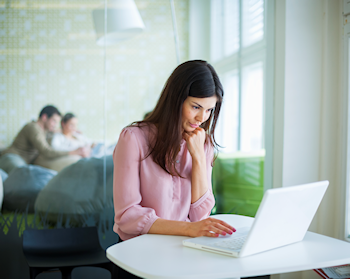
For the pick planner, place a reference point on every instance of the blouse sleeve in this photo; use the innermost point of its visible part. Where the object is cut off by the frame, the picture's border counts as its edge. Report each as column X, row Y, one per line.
column 201, row 209
column 130, row 217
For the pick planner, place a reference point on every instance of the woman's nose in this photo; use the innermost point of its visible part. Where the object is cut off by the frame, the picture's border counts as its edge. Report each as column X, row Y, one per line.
column 200, row 117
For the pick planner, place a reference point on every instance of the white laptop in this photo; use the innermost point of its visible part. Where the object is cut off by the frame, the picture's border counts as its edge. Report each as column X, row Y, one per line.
column 283, row 217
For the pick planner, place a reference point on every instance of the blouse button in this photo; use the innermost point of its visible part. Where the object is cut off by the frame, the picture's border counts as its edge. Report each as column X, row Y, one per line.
column 177, row 161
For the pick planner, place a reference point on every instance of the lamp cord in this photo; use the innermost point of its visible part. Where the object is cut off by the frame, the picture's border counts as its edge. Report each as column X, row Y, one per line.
column 176, row 36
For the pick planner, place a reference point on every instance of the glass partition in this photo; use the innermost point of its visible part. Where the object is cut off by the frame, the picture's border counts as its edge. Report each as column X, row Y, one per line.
column 49, row 55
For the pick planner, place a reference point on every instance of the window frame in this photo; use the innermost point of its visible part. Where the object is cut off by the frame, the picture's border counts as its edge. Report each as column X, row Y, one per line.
column 199, row 48
column 346, row 91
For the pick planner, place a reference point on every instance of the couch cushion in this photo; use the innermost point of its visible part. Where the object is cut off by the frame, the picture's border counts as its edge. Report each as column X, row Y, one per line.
column 10, row 161
column 58, row 163
column 3, row 175
column 23, row 185
column 77, row 192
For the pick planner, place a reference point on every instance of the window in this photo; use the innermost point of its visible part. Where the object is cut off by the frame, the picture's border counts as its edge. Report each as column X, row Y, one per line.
column 229, row 113
column 238, row 54
column 251, row 108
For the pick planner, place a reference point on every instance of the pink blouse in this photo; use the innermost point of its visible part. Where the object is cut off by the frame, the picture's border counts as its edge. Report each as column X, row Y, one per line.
column 144, row 192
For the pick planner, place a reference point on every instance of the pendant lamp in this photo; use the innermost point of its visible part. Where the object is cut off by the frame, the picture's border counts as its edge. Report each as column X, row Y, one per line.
column 123, row 22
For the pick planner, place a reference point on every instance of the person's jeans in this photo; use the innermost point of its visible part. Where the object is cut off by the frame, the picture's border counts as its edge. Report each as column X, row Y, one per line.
column 9, row 161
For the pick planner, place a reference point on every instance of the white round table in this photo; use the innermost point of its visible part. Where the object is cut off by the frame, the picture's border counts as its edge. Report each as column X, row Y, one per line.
column 164, row 257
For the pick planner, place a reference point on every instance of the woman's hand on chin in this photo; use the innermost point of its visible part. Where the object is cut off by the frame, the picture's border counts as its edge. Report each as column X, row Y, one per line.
column 195, row 142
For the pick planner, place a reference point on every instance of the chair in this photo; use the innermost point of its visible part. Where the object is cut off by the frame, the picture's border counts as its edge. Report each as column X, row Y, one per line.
column 64, row 249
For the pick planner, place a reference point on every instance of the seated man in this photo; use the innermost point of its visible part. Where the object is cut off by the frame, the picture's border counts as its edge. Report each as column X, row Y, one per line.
column 32, row 141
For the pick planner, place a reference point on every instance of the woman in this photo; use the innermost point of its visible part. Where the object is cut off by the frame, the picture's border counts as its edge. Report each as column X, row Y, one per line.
column 70, row 139
column 162, row 165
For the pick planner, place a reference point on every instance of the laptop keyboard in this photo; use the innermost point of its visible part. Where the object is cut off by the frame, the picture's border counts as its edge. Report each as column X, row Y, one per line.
column 233, row 244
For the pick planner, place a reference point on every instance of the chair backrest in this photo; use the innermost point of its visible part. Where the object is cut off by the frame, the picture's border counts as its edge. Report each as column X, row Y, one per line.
column 60, row 241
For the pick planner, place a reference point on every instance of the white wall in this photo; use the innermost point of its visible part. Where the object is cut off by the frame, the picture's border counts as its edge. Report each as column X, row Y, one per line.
column 308, row 100
column 302, row 92
column 312, row 96
column 49, row 56
column 331, row 212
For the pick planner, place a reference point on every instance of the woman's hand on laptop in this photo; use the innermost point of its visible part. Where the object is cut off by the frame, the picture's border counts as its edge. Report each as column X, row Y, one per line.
column 209, row 227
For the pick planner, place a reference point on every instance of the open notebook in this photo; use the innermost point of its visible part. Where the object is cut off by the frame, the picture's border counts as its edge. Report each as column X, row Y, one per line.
column 283, row 217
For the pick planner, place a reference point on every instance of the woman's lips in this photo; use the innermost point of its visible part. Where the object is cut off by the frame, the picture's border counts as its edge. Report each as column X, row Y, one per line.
column 194, row 125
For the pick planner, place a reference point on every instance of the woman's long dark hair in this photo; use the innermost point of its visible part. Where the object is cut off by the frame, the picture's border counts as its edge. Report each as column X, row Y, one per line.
column 194, row 78
column 68, row 116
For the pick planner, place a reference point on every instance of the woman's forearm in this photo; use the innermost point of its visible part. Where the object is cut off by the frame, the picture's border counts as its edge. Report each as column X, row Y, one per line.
column 169, row 227
column 199, row 178
column 208, row 227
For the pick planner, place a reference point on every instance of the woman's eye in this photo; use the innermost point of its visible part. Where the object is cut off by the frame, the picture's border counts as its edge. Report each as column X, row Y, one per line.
column 196, row 107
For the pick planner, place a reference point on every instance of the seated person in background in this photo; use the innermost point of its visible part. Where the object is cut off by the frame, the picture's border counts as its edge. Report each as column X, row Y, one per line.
column 32, row 141
column 70, row 139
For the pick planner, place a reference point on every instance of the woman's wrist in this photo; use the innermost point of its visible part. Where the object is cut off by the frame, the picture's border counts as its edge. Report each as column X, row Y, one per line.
column 199, row 185
column 191, row 230
column 199, row 159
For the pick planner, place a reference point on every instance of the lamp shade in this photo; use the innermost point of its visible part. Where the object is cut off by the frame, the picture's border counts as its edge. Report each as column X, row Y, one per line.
column 123, row 22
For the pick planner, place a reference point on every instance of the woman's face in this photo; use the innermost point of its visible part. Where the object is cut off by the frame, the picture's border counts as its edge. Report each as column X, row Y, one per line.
column 70, row 126
column 195, row 111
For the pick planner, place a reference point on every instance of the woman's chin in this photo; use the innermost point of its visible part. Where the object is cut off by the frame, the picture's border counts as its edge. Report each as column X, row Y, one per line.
column 189, row 129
